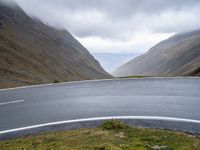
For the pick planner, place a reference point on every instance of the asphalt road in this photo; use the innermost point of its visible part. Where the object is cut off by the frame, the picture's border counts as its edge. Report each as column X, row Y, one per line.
column 162, row 97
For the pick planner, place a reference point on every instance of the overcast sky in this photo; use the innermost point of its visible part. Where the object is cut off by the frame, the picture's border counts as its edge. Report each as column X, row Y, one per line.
column 118, row 26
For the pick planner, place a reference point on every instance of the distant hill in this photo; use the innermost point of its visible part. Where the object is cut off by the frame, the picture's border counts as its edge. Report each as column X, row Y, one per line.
column 176, row 56
column 110, row 61
column 34, row 53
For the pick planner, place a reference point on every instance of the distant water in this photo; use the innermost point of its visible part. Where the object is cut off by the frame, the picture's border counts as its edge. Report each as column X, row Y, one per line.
column 111, row 61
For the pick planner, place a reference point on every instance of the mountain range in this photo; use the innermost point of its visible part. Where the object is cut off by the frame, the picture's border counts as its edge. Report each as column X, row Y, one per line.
column 177, row 56
column 32, row 52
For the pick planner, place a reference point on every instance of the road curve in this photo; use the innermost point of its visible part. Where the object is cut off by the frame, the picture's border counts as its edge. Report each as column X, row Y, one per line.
column 157, row 97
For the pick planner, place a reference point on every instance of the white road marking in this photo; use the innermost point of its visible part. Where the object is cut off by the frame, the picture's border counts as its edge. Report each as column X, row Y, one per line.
column 103, row 118
column 11, row 102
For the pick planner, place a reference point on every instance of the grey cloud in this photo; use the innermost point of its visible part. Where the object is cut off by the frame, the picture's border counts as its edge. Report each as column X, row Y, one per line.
column 114, row 8
column 116, row 19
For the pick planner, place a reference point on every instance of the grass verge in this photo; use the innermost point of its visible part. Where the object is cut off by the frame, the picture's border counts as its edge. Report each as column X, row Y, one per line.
column 134, row 77
column 56, row 81
column 112, row 135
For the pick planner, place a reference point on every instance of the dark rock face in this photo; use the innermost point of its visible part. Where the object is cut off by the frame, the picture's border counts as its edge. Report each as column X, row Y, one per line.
column 176, row 56
column 1, row 24
column 34, row 53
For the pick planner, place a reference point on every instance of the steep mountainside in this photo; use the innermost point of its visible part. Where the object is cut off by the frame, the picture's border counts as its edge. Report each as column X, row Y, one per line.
column 34, row 53
column 176, row 56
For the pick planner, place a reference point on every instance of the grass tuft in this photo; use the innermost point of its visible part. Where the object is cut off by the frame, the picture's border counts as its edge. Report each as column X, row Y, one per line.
column 113, row 125
column 56, row 81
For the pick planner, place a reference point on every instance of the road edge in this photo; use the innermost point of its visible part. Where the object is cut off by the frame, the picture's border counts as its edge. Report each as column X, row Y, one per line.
column 88, row 81
column 169, row 123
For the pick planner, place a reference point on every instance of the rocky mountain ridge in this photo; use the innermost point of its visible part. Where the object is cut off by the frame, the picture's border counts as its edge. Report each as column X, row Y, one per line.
column 34, row 53
column 177, row 56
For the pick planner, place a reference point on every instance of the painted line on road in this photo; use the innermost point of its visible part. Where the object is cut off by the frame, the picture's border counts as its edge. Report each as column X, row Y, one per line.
column 11, row 102
column 102, row 118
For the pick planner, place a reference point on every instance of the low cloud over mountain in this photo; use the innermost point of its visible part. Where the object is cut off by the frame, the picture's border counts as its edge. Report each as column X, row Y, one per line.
column 120, row 25
column 34, row 53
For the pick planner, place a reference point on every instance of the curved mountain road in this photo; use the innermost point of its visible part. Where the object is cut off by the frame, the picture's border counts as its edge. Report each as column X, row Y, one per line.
column 157, row 97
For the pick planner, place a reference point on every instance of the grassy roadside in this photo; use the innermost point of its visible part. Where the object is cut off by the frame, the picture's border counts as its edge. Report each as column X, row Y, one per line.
column 112, row 135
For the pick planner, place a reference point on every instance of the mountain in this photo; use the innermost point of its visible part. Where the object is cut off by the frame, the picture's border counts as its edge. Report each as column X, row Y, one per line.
column 34, row 53
column 177, row 56
column 110, row 61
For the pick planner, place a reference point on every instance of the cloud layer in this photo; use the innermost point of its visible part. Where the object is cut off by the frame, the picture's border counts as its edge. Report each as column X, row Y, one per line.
column 117, row 25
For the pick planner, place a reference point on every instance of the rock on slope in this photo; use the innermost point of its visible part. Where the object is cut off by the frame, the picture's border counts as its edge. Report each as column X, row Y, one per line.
column 34, row 53
column 176, row 56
